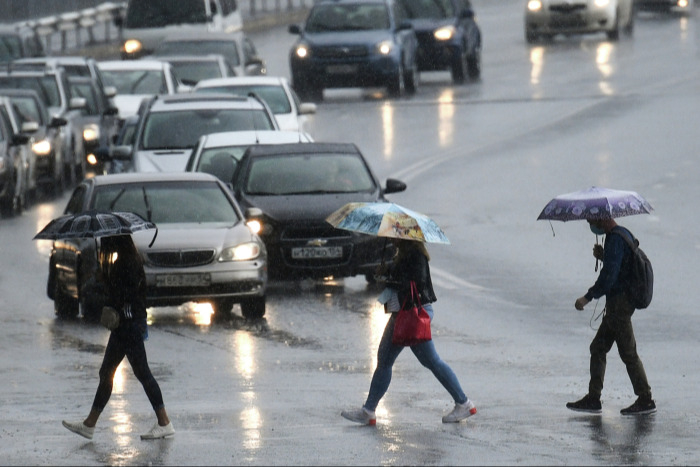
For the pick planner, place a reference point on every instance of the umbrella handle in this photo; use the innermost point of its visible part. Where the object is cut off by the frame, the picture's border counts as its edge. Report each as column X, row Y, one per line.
column 596, row 260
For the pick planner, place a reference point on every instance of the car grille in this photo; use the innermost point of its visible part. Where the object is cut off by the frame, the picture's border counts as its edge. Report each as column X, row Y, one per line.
column 341, row 51
column 180, row 258
column 308, row 232
column 566, row 8
column 304, row 236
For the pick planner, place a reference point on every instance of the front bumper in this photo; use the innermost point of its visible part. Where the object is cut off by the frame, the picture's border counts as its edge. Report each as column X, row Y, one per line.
column 335, row 71
column 570, row 19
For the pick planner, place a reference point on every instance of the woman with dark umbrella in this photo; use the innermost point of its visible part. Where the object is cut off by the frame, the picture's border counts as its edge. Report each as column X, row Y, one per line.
column 122, row 273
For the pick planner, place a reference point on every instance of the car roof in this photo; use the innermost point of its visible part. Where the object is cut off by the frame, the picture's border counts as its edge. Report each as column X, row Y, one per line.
column 304, row 148
column 20, row 92
column 191, row 58
column 241, row 80
column 126, row 65
column 209, row 36
column 230, row 138
column 145, row 177
column 203, row 100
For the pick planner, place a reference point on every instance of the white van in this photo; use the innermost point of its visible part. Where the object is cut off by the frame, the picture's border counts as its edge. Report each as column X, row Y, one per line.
column 147, row 22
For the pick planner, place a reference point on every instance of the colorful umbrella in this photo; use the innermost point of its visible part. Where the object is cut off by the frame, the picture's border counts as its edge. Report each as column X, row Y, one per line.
column 93, row 224
column 595, row 203
column 387, row 220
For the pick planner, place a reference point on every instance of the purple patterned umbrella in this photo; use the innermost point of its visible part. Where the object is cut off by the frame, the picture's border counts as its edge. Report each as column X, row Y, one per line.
column 595, row 203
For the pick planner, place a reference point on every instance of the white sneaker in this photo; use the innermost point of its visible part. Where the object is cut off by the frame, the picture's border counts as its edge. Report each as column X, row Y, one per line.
column 362, row 416
column 158, row 432
column 80, row 428
column 460, row 412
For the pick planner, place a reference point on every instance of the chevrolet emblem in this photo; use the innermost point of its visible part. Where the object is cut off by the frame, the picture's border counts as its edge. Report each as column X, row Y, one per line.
column 316, row 242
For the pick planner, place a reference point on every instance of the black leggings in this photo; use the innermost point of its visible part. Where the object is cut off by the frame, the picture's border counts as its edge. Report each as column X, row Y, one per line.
column 127, row 341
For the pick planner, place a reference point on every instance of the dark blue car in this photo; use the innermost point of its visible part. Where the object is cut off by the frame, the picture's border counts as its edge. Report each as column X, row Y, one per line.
column 354, row 43
column 449, row 38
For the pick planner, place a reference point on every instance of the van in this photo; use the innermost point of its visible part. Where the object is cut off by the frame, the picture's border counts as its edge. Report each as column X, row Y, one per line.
column 146, row 23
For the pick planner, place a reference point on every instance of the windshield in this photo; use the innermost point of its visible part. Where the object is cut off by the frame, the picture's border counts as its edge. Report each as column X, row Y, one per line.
column 221, row 161
column 307, row 174
column 28, row 109
column 274, row 96
column 227, row 48
column 348, row 17
column 169, row 202
column 181, row 129
column 161, row 13
column 10, row 48
column 428, row 9
column 136, row 81
column 193, row 72
column 45, row 86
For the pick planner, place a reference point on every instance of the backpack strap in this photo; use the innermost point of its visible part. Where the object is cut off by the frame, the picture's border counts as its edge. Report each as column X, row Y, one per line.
column 629, row 238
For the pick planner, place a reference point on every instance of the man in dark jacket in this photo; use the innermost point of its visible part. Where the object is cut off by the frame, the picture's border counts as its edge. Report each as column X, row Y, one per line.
column 616, row 326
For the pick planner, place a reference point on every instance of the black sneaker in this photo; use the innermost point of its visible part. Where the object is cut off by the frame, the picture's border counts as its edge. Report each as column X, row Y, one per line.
column 586, row 404
column 640, row 407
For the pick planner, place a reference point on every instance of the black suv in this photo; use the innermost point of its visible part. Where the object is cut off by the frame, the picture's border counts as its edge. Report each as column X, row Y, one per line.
column 449, row 37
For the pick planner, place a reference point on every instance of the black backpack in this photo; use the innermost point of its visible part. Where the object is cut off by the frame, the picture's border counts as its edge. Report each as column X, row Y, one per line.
column 640, row 275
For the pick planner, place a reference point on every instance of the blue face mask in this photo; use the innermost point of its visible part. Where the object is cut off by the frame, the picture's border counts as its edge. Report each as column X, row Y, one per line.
column 596, row 230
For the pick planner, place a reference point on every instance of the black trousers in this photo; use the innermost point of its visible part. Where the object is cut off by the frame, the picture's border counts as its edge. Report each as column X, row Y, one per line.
column 616, row 327
column 127, row 341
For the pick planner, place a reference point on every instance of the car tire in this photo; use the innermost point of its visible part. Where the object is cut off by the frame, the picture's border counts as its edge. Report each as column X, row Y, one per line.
column 530, row 36
column 411, row 80
column 459, row 66
column 222, row 307
column 614, row 33
column 64, row 306
column 253, row 308
column 397, row 84
column 474, row 64
column 9, row 205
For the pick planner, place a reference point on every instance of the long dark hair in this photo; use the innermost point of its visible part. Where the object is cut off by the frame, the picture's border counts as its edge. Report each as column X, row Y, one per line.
column 118, row 246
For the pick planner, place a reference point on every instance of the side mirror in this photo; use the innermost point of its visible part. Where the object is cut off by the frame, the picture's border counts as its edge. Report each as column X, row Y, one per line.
column 30, row 127
column 404, row 25
column 184, row 88
column 102, row 154
column 111, row 111
column 77, row 103
column 294, row 29
column 253, row 212
column 110, row 91
column 307, row 108
column 468, row 13
column 394, row 186
column 57, row 122
column 20, row 139
column 121, row 153
column 255, row 67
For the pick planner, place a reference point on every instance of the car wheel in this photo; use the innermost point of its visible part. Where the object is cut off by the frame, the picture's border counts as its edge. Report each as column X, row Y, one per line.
column 474, row 64
column 64, row 305
column 459, row 66
column 614, row 33
column 253, row 308
column 629, row 27
column 9, row 204
column 222, row 307
column 412, row 79
column 397, row 84
column 530, row 36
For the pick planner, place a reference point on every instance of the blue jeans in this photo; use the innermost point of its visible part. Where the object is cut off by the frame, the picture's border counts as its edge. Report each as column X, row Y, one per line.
column 426, row 355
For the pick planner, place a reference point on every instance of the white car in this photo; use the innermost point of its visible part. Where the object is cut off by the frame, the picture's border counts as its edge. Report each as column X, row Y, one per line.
column 136, row 80
column 547, row 18
column 191, row 69
column 219, row 153
column 289, row 111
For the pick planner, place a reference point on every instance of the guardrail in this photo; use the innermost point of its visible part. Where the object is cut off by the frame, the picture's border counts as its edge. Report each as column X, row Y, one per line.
column 73, row 30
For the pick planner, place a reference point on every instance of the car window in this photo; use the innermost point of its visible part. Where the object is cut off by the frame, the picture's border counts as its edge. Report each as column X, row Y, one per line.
column 196, row 202
column 227, row 48
column 302, row 174
column 85, row 90
column 197, row 70
column 45, row 86
column 348, row 17
column 136, row 81
column 75, row 203
column 428, row 9
column 28, row 109
column 181, row 129
column 10, row 48
column 221, row 162
column 274, row 96
column 160, row 13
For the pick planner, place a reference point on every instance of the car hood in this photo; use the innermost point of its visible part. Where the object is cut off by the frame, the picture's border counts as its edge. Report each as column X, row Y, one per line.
column 429, row 25
column 165, row 160
column 344, row 38
column 187, row 236
column 305, row 207
column 128, row 104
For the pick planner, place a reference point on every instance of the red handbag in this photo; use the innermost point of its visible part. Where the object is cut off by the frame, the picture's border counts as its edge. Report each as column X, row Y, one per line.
column 412, row 323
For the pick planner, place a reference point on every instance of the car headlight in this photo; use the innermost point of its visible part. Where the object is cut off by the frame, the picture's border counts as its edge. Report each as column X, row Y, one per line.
column 534, row 5
column 302, row 51
column 242, row 252
column 255, row 226
column 445, row 33
column 92, row 159
column 385, row 47
column 91, row 132
column 132, row 46
column 602, row 3
column 42, row 148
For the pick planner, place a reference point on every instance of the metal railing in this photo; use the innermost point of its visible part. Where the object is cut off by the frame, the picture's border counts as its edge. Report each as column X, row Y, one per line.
column 72, row 30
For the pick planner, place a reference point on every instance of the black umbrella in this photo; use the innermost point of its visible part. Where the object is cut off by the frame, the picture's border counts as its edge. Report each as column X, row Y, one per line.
column 95, row 224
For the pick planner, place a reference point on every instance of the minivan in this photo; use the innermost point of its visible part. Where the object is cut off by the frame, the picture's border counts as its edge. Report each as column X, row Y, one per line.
column 146, row 23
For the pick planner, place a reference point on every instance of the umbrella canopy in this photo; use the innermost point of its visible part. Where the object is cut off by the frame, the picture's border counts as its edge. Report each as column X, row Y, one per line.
column 593, row 204
column 387, row 220
column 93, row 224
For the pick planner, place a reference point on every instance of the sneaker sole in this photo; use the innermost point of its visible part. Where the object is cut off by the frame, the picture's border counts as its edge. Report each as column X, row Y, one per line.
column 642, row 412
column 471, row 412
column 145, row 437
column 593, row 411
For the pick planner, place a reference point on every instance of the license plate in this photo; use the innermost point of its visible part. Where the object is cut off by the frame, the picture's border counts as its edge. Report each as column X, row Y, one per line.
column 183, row 280
column 341, row 69
column 317, row 252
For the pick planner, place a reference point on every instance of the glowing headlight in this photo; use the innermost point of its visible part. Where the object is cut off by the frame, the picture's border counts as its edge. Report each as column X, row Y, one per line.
column 385, row 47
column 302, row 51
column 255, row 226
column 242, row 252
column 91, row 132
column 534, row 5
column 602, row 3
column 91, row 159
column 132, row 46
column 444, row 34
column 42, row 148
